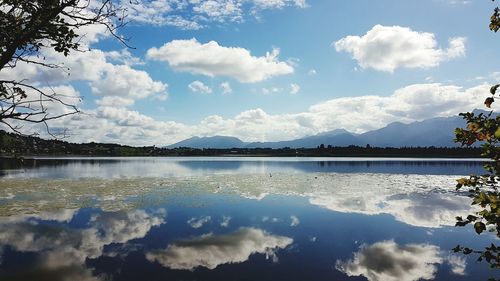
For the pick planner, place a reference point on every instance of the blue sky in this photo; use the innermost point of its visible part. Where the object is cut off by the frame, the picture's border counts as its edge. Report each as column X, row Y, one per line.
column 265, row 70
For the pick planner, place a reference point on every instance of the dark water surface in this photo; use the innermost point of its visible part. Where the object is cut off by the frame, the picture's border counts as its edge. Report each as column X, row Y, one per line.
column 236, row 219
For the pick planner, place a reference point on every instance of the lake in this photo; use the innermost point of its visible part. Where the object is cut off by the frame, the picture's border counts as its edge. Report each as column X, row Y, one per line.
column 217, row 218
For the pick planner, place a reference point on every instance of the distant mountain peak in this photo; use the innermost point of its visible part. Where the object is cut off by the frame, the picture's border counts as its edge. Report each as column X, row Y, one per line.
column 438, row 131
column 335, row 132
column 209, row 142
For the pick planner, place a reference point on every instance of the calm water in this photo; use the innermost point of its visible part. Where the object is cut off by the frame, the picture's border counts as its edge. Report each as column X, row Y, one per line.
column 235, row 219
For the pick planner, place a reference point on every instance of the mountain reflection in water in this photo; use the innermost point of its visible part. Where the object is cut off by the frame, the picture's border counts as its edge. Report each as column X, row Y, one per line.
column 95, row 167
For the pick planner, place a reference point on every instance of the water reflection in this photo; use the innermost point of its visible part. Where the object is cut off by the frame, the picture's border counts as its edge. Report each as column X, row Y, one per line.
column 419, row 200
column 303, row 243
column 211, row 250
column 388, row 261
column 259, row 221
column 415, row 208
column 107, row 168
column 61, row 251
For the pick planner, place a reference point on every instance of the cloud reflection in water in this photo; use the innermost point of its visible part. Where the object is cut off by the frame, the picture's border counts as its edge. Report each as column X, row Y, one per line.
column 211, row 250
column 388, row 261
column 62, row 252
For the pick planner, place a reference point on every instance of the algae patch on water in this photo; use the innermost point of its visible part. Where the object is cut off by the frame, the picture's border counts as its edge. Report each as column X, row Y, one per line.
column 421, row 200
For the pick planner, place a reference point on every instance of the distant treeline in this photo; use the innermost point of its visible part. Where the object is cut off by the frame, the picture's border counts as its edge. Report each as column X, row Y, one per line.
column 17, row 145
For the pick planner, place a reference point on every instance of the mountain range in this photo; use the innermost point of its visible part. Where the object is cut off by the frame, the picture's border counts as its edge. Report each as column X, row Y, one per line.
column 438, row 132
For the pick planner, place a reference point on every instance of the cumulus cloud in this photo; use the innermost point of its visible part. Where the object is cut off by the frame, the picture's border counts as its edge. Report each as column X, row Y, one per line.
column 226, row 88
column 198, row 222
column 221, row 10
column 386, row 48
column 211, row 250
column 65, row 93
column 458, row 2
column 199, row 87
column 84, row 66
column 151, row 12
column 272, row 90
column 294, row 88
column 411, row 103
column 212, row 60
column 110, row 123
column 115, row 101
column 388, row 261
column 124, row 57
column 278, row 4
column 120, row 81
column 123, row 81
column 188, row 14
column 118, row 124
column 359, row 114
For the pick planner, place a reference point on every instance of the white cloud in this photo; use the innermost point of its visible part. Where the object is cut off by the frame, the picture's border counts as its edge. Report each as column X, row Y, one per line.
column 115, row 101
column 221, row 10
column 65, row 93
column 182, row 23
column 272, row 90
column 198, row 222
column 123, row 81
column 226, row 88
column 112, row 124
column 84, row 66
column 294, row 88
column 211, row 250
column 388, row 261
column 124, row 57
column 196, row 14
column 212, row 60
column 458, row 2
column 386, row 48
column 151, row 12
column 495, row 75
column 278, row 4
column 199, row 87
column 312, row 72
column 411, row 103
column 358, row 114
column 295, row 221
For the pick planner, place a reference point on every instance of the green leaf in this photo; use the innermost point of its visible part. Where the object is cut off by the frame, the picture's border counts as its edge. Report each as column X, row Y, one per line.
column 494, row 89
column 479, row 227
column 488, row 102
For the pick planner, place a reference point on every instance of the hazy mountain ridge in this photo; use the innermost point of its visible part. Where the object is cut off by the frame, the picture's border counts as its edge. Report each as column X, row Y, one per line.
column 210, row 142
column 437, row 132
